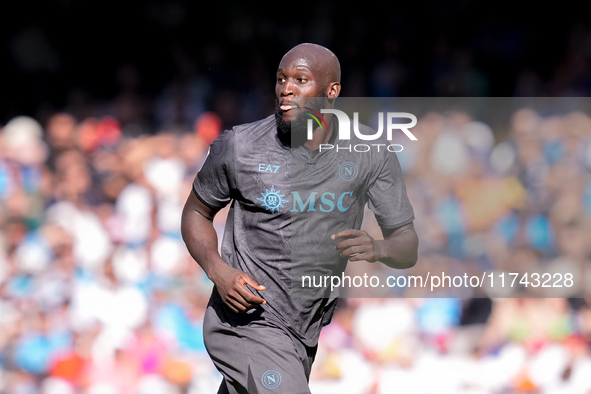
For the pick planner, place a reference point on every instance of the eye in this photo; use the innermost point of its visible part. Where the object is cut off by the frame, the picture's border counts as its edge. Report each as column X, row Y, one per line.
column 280, row 79
column 302, row 80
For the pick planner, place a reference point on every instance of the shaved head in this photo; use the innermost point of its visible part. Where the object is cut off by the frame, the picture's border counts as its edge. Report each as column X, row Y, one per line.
column 322, row 62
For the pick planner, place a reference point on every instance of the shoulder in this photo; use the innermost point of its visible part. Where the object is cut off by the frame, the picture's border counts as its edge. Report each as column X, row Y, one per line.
column 245, row 134
column 261, row 126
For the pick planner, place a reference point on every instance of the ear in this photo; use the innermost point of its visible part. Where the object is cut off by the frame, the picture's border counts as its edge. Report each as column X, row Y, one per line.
column 333, row 90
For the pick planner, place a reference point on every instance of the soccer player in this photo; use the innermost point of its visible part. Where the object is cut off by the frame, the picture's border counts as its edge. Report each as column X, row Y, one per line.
column 294, row 208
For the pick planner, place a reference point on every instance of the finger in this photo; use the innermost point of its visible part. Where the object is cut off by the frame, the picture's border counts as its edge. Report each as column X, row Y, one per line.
column 361, row 257
column 242, row 302
column 347, row 233
column 252, row 282
column 239, row 303
column 363, row 239
column 250, row 298
column 230, row 304
column 352, row 251
column 350, row 242
column 357, row 257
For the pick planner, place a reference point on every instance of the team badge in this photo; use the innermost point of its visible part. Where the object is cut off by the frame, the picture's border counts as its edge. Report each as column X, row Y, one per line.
column 272, row 200
column 348, row 171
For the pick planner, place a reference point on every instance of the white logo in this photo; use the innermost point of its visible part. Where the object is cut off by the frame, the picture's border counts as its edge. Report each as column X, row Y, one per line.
column 345, row 125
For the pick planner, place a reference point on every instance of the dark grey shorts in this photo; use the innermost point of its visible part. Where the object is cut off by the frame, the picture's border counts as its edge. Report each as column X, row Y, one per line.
column 255, row 355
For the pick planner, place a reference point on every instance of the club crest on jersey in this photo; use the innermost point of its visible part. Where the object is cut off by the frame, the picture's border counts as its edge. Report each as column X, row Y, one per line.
column 348, row 171
column 272, row 200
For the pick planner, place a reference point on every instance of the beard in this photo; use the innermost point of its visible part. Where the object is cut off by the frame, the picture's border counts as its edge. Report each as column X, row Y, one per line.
column 294, row 133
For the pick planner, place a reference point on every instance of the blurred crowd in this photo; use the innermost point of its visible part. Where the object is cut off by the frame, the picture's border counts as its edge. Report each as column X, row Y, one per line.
column 516, row 199
column 99, row 295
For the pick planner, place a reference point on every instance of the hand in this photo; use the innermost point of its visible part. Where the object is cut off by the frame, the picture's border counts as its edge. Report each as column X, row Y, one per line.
column 230, row 284
column 359, row 245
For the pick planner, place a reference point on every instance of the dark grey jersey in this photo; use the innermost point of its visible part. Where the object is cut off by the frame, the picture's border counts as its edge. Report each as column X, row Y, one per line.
column 286, row 203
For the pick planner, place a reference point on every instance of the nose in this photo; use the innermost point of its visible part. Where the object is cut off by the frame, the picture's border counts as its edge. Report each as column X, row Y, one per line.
column 287, row 88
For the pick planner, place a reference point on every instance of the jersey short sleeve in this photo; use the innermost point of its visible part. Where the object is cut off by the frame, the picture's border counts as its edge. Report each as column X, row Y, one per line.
column 213, row 183
column 387, row 196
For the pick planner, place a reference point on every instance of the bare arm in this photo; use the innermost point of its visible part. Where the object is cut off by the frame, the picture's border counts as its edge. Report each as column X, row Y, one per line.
column 202, row 242
column 398, row 249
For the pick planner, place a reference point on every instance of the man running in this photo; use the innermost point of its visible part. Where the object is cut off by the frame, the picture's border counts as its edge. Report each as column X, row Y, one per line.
column 295, row 210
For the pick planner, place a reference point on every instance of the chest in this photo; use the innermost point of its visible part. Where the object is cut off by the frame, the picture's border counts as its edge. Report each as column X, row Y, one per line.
column 277, row 181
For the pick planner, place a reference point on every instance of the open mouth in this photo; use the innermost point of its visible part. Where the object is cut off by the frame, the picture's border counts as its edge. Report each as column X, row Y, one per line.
column 288, row 107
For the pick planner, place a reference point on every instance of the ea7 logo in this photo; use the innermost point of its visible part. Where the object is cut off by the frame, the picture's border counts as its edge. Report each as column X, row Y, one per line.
column 345, row 125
